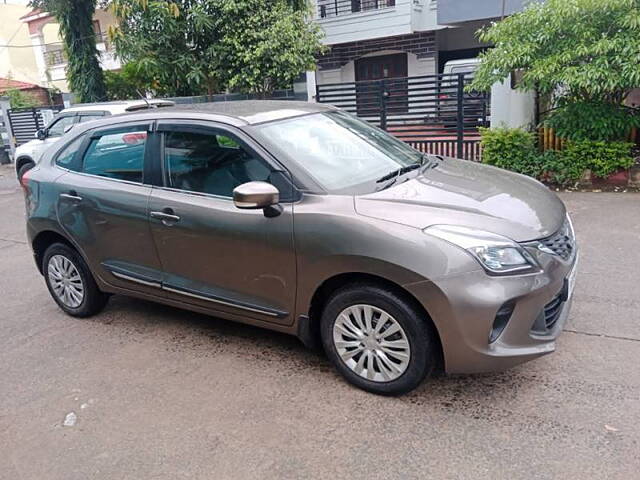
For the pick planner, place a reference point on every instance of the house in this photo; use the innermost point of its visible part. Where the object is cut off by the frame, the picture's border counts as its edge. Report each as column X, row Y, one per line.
column 41, row 94
column 385, row 39
column 48, row 48
column 16, row 63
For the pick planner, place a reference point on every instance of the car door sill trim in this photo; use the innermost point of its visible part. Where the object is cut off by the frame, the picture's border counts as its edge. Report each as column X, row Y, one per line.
column 124, row 276
column 208, row 298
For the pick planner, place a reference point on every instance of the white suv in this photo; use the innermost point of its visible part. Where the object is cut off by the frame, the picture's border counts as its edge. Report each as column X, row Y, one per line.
column 27, row 155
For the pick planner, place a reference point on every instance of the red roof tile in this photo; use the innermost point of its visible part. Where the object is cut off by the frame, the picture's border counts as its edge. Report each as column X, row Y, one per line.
column 7, row 84
column 34, row 11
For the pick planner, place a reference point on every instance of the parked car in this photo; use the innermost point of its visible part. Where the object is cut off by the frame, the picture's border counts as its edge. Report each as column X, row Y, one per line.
column 27, row 155
column 301, row 218
column 474, row 103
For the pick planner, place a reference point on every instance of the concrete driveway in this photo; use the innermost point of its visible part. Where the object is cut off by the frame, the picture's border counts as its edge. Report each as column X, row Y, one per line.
column 163, row 393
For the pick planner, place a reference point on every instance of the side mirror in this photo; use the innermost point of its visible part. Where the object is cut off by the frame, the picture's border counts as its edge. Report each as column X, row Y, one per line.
column 255, row 195
column 41, row 134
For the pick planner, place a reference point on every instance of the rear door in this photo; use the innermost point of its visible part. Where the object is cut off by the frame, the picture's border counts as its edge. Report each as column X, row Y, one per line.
column 102, row 204
column 213, row 254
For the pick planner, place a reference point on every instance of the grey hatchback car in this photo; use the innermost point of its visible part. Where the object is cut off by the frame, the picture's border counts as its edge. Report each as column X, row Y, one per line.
column 301, row 218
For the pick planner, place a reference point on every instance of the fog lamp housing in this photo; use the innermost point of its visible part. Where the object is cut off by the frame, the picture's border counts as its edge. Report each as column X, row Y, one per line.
column 500, row 321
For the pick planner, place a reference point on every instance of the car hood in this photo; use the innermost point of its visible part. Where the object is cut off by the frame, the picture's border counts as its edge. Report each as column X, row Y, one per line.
column 460, row 192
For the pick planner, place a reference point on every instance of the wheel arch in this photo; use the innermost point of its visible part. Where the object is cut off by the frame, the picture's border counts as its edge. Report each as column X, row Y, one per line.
column 311, row 333
column 22, row 160
column 44, row 240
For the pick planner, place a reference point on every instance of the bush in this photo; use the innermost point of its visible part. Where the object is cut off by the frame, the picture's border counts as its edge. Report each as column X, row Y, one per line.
column 514, row 149
column 592, row 121
column 20, row 99
column 602, row 158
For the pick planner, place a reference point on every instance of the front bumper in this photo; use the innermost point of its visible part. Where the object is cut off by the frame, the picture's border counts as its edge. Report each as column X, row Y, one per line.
column 464, row 307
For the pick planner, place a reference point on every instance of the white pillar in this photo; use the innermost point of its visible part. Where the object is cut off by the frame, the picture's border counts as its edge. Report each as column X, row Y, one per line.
column 511, row 108
column 311, row 86
column 37, row 41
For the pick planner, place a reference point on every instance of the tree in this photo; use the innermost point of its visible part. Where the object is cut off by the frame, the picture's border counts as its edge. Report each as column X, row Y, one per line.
column 188, row 47
column 588, row 47
column 263, row 47
column 128, row 83
column 75, row 18
column 584, row 52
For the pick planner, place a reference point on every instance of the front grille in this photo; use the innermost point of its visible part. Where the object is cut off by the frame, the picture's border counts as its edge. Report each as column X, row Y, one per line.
column 561, row 243
column 552, row 311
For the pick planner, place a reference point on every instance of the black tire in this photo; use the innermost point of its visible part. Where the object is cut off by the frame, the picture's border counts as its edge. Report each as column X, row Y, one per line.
column 93, row 299
column 418, row 330
column 24, row 169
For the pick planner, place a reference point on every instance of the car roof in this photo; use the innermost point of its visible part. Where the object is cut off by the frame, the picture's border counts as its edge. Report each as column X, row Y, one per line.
column 118, row 106
column 252, row 111
column 237, row 113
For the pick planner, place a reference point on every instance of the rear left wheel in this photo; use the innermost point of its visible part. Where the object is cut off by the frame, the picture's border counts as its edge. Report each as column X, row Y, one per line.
column 70, row 282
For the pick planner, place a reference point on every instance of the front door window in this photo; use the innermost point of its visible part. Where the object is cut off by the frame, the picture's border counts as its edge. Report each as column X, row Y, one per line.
column 58, row 127
column 212, row 163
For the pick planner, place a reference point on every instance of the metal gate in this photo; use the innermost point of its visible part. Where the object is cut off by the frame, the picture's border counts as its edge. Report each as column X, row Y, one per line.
column 433, row 113
column 25, row 122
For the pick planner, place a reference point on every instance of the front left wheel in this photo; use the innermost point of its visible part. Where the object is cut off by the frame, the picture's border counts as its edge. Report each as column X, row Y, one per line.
column 377, row 339
column 70, row 282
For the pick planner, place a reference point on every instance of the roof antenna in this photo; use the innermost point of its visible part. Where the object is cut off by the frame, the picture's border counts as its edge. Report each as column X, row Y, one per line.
column 144, row 97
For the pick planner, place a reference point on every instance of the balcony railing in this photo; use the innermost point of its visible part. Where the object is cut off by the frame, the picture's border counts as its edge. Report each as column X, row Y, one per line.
column 54, row 58
column 333, row 8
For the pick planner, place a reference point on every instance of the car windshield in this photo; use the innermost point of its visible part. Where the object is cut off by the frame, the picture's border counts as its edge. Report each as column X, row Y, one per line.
column 340, row 152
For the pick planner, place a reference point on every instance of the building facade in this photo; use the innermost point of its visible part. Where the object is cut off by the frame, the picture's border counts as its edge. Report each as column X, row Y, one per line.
column 17, row 61
column 378, row 39
column 48, row 48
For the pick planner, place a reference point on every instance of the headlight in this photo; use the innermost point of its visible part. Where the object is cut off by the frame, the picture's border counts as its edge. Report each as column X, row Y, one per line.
column 498, row 255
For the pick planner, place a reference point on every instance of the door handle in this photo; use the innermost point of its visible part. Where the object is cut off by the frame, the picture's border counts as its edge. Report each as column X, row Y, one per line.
column 72, row 195
column 166, row 215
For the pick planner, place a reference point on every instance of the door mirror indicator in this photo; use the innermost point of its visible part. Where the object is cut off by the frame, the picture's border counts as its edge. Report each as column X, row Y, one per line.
column 41, row 134
column 255, row 195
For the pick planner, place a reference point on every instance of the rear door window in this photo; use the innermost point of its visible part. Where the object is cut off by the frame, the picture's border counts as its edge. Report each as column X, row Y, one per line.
column 117, row 154
column 66, row 157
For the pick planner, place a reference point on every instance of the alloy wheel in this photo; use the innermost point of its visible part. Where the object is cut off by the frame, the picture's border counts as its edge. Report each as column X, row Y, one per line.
column 371, row 343
column 65, row 281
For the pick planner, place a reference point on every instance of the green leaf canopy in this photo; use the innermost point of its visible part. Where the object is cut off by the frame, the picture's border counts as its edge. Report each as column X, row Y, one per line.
column 588, row 48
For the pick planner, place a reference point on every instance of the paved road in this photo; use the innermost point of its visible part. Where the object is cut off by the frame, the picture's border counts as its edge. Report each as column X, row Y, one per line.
column 162, row 393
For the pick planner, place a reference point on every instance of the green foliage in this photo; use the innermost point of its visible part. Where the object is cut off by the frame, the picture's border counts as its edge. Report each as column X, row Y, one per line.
column 514, row 149
column 126, row 84
column 592, row 121
column 20, row 99
column 263, row 47
column 602, row 158
column 75, row 18
column 188, row 47
column 589, row 47
column 561, row 169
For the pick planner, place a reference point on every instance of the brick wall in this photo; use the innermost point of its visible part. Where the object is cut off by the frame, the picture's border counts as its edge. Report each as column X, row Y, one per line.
column 422, row 44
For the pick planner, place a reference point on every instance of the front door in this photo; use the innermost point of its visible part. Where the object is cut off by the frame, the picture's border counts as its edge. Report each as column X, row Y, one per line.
column 386, row 72
column 214, row 255
column 102, row 204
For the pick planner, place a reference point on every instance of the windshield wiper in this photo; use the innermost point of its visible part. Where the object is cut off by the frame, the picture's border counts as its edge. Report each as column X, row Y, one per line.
column 396, row 173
